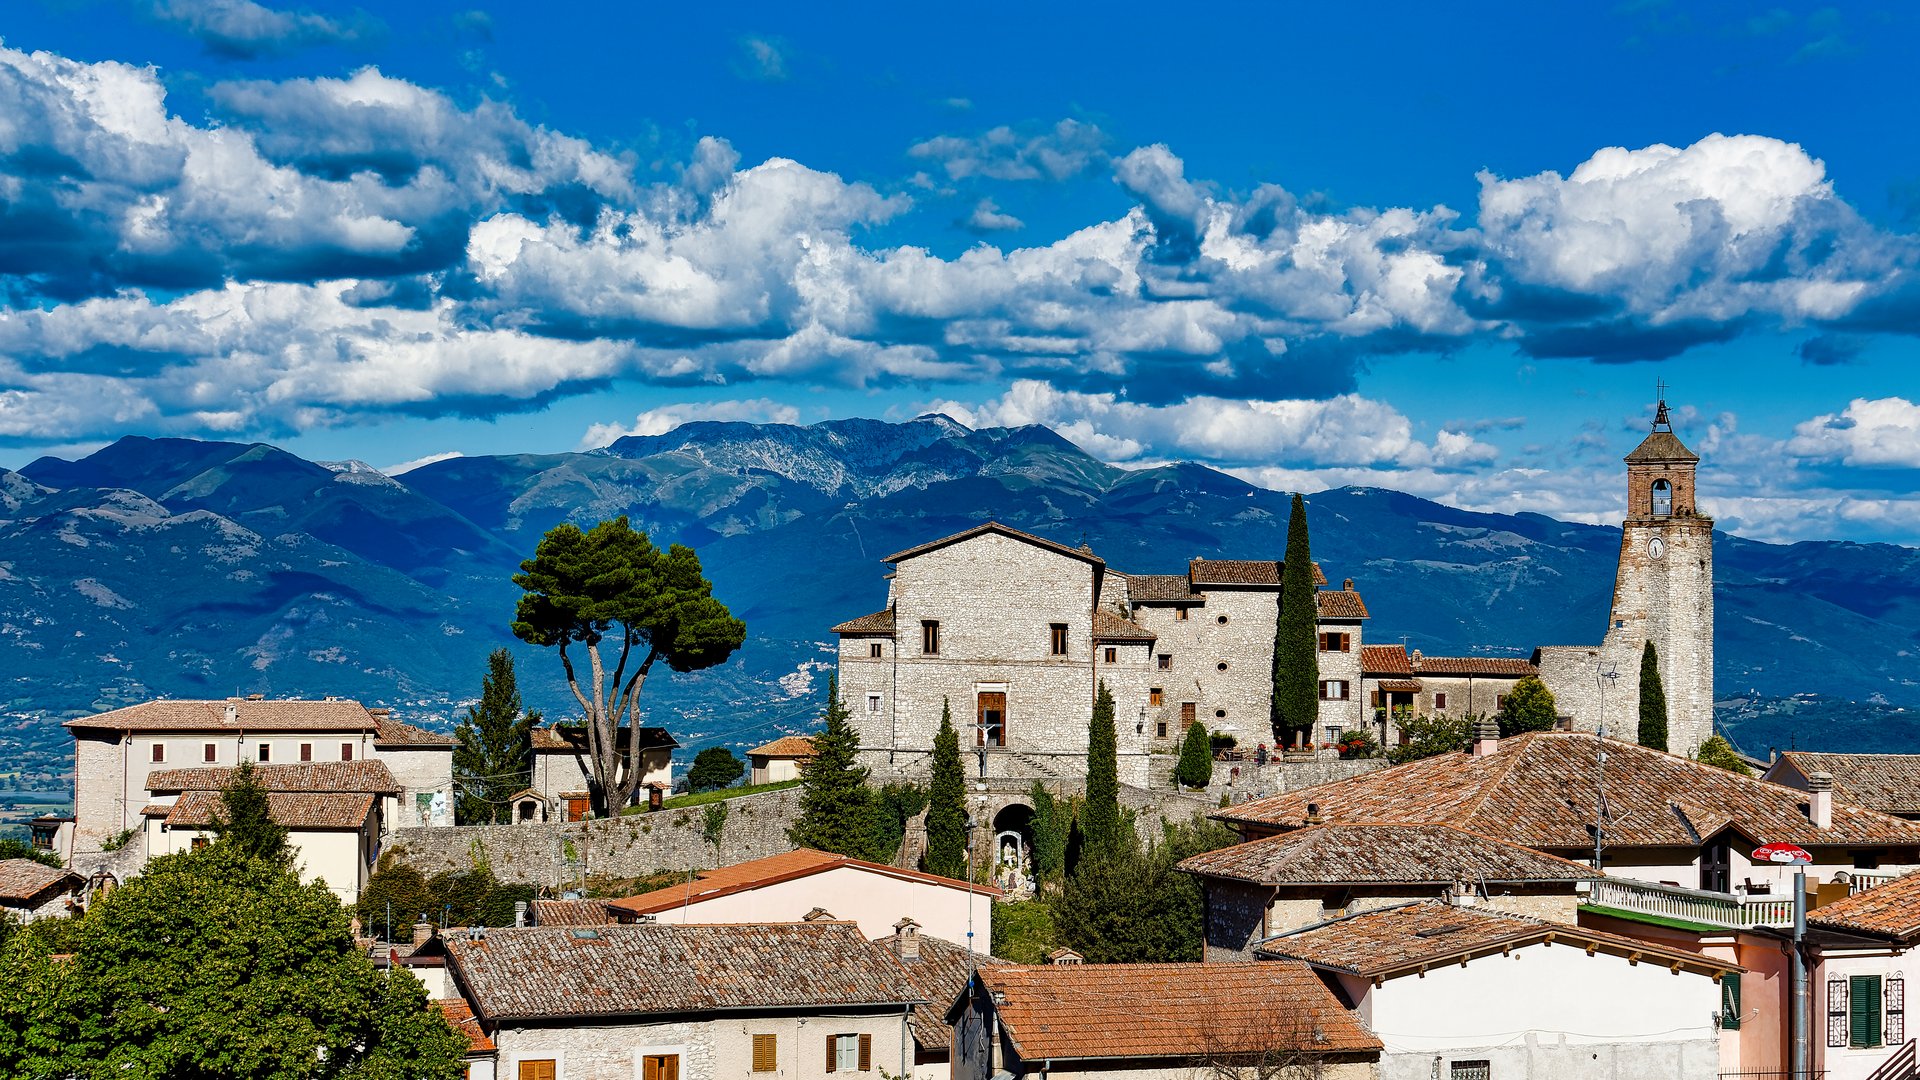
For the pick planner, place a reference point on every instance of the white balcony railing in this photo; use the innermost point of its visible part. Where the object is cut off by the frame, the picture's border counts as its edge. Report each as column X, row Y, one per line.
column 1691, row 905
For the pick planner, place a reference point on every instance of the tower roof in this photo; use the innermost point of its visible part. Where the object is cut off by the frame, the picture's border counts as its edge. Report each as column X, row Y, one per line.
column 1661, row 444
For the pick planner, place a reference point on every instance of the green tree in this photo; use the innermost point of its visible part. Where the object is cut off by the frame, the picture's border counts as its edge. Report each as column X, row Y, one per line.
column 947, row 803
column 473, row 897
column 12, row 847
column 1428, row 736
column 1529, row 707
column 1195, row 768
column 837, row 811
column 1135, row 907
column 611, row 586
column 1719, row 753
column 1653, row 701
column 1051, row 823
column 1100, row 818
column 714, row 768
column 894, row 804
column 493, row 746
column 245, row 818
column 1296, row 643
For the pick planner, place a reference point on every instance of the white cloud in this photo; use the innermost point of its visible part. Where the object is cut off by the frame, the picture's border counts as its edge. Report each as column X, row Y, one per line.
column 762, row 58
column 988, row 217
column 661, row 420
column 244, row 29
column 1869, row 433
column 1064, row 150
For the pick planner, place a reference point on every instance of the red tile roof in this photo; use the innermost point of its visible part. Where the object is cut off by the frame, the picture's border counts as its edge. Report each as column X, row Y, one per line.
column 1400, row 686
column 364, row 775
column 294, row 809
column 758, row 873
column 459, row 1014
column 250, row 715
column 1393, row 853
column 571, row 913
column 1891, row 910
column 1498, row 666
column 1340, row 604
column 392, row 734
column 1134, row 1011
column 1889, row 783
column 940, row 973
column 999, row 530
column 1110, row 627
column 1159, row 588
column 786, row 746
column 1661, row 446
column 572, row 739
column 24, row 881
column 1385, row 660
column 880, row 623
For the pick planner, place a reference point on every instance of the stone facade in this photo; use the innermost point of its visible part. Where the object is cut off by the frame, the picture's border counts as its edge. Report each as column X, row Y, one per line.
column 705, row 1049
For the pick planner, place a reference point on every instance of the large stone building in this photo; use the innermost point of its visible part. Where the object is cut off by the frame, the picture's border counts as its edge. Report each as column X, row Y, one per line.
column 1014, row 634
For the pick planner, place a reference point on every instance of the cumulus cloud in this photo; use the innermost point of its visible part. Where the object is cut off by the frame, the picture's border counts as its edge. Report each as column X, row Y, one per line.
column 1869, row 432
column 761, row 58
column 661, row 420
column 244, row 30
column 1064, row 150
column 988, row 217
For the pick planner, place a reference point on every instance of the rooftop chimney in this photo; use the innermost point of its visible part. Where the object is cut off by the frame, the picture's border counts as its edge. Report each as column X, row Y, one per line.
column 1820, row 800
column 1486, row 737
column 422, row 933
column 1462, row 894
column 233, row 713
column 818, row 914
column 906, row 939
column 1313, row 813
column 519, row 913
column 1065, row 956
column 1347, row 585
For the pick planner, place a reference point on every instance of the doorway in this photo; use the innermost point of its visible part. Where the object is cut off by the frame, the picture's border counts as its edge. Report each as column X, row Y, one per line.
column 990, row 727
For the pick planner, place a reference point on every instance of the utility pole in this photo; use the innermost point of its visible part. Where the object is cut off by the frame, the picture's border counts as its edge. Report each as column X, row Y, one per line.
column 1802, row 994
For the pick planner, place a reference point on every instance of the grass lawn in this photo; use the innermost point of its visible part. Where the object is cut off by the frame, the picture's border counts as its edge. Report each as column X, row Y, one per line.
column 704, row 797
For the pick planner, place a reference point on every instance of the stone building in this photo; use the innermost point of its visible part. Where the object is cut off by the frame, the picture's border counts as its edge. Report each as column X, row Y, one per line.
column 1397, row 684
column 1014, row 634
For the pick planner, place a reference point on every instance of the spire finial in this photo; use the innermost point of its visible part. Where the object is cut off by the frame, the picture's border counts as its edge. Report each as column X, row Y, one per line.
column 1661, row 422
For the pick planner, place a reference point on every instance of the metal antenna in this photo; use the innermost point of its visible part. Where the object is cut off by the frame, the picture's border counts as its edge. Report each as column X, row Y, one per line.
column 1606, row 677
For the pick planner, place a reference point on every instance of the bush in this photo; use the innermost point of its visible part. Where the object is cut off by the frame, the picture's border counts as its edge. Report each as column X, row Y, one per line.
column 1428, row 736
column 1195, row 768
column 15, row 848
column 1719, row 753
column 1529, row 707
column 472, row 898
column 1357, row 743
column 1023, row 932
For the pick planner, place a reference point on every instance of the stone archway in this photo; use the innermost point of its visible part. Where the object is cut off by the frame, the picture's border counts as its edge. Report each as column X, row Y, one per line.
column 1012, row 847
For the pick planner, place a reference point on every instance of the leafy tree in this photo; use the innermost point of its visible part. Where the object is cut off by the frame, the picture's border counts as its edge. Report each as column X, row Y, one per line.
column 714, row 768
column 1134, row 906
column 1529, row 707
column 1719, row 753
column 472, row 897
column 245, row 818
column 837, row 811
column 1100, row 819
column 1428, row 736
column 947, row 804
column 1296, row 643
column 1653, row 701
column 1051, row 823
column 611, row 585
column 1023, row 931
column 1195, row 768
column 894, row 804
column 1357, row 743
column 493, row 748
column 12, row 847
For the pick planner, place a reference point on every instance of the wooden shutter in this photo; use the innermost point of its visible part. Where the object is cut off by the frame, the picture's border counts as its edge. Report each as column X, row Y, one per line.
column 763, row 1053
column 866, row 1053
column 540, row 1070
column 1187, row 713
column 1730, row 1001
column 1863, row 1011
column 1836, row 1012
column 1896, row 1032
column 833, row 1048
column 655, row 1067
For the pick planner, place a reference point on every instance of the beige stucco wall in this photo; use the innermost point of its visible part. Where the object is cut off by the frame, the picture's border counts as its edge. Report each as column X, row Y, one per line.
column 557, row 772
column 418, row 771
column 720, row 1049
column 340, row 858
column 774, row 770
column 876, row 901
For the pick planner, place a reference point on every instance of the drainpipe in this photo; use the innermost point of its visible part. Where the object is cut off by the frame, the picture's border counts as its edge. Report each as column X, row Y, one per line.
column 1802, row 998
column 904, row 1038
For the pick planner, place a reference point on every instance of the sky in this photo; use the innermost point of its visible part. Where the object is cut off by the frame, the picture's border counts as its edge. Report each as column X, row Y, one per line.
column 1445, row 249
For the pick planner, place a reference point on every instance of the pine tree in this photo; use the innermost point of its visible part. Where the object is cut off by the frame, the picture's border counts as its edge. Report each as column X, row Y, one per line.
column 1653, row 701
column 1101, row 818
column 493, row 748
column 245, row 818
column 1195, row 769
column 1296, row 645
column 947, row 803
column 1050, row 828
column 836, row 806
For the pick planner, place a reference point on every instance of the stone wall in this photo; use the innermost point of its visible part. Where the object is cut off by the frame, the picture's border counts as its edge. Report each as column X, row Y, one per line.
column 1220, row 660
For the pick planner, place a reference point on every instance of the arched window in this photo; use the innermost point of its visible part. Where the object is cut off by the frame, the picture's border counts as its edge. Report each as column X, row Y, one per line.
column 1662, row 499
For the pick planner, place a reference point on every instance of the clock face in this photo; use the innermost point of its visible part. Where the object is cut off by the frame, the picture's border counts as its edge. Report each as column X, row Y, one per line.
column 1656, row 547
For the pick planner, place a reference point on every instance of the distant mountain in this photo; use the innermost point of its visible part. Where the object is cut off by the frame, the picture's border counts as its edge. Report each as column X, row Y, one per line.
column 180, row 567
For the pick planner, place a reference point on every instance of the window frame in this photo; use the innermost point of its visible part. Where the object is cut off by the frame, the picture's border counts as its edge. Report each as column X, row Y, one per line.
column 874, row 651
column 264, row 752
column 1439, row 700
column 930, row 637
column 346, row 751
column 158, row 755
column 771, row 1045
column 873, row 704
column 1112, row 655
column 1156, row 696
column 1346, row 690
column 1057, row 639
column 1165, row 661
column 1860, row 1012
column 306, row 752
column 1180, row 614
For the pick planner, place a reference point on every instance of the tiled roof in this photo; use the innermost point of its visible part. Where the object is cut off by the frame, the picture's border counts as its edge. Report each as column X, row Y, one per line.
column 1385, row 660
column 1383, row 854
column 1340, row 604
column 294, row 809
column 573, row 740
column 549, row 973
column 1890, row 910
column 460, row 1015
column 1061, row 1011
column 1159, row 588
column 24, row 880
column 1889, row 783
column 1400, row 686
column 1499, row 666
column 250, row 715
column 1110, row 627
column 1538, row 791
column 1205, row 572
column 1001, row 530
column 940, row 973
column 1661, row 446
column 880, row 622
column 793, row 746
column 393, row 733
column 366, row 775
column 571, row 913
column 1410, row 938
column 758, row 873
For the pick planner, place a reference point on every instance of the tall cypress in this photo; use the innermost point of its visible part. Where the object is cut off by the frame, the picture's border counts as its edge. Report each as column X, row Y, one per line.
column 1653, row 701
column 1050, row 828
column 836, row 808
column 1100, row 821
column 1296, row 646
column 946, row 803
column 493, row 747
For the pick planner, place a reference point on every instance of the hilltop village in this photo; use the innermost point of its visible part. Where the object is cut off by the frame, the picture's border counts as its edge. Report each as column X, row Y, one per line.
column 1056, row 821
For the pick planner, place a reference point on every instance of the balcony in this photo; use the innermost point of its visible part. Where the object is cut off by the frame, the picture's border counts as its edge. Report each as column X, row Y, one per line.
column 1691, row 905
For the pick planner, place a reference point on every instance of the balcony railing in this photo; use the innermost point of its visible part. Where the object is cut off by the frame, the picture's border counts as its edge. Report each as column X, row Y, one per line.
column 1858, row 882
column 1691, row 905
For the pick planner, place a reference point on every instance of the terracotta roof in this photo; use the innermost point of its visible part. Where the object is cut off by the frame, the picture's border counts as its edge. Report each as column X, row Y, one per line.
column 995, row 527
column 1411, row 854
column 1661, row 446
column 558, row 738
column 940, row 973
column 1385, row 660
column 156, row 809
column 571, row 913
column 1390, row 942
column 1340, row 604
column 1889, row 783
column 758, row 873
column 1537, row 791
column 1110, row 627
column 880, row 622
column 541, row 973
column 1205, row 572
column 250, row 715
column 366, row 775
column 460, row 1015
column 1069, row 1011
column 294, row 809
column 1500, row 666
column 23, row 881
column 393, row 733
column 789, row 746
column 1400, row 686
column 1891, row 910
column 1159, row 588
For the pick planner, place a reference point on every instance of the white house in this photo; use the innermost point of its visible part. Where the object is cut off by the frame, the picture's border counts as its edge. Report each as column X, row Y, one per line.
column 558, row 788
column 779, row 760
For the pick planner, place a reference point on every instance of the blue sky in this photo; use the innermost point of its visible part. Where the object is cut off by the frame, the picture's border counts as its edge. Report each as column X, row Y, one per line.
column 1443, row 250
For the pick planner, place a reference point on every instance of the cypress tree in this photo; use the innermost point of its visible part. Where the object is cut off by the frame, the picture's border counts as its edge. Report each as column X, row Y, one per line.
column 1653, row 701
column 493, row 748
column 946, row 803
column 1195, row 769
column 1101, row 818
column 1050, row 828
column 836, row 807
column 1296, row 645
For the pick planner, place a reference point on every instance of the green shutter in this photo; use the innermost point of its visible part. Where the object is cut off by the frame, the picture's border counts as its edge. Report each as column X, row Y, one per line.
column 1863, row 1022
column 1730, row 1001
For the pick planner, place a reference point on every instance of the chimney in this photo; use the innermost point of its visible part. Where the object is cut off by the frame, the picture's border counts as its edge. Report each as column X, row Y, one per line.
column 1486, row 737
column 233, row 712
column 519, row 913
column 906, row 939
column 1313, row 813
column 1820, row 800
column 1462, row 895
column 422, row 933
column 380, row 714
column 818, row 914
column 1065, row 956
column 1347, row 585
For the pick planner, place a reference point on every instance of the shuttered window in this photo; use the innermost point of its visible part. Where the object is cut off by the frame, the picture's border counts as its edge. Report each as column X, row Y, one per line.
column 536, row 1070
column 660, row 1067
column 1188, row 713
column 1156, row 696
column 1896, row 1032
column 1058, row 633
column 764, row 1057
column 1836, row 1012
column 1730, row 1001
column 866, row 1053
column 930, row 636
column 849, row 1053
column 1863, row 1011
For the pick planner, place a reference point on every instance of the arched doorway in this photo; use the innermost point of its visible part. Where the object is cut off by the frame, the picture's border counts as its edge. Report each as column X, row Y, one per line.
column 1012, row 859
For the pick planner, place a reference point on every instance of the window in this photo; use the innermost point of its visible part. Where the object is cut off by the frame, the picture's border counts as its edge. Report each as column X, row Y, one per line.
column 1059, row 634
column 1863, row 1011
column 849, row 1053
column 199, row 842
column 764, row 1059
column 1160, row 728
column 159, row 751
column 1188, row 713
column 1896, row 996
column 1477, row 1069
column 210, row 752
column 1440, row 700
column 1331, row 642
column 1836, row 1012
column 1662, row 499
column 657, row 1067
column 873, row 651
column 1222, row 620
column 990, row 718
column 1499, row 702
column 1156, row 696
column 1730, row 1001
column 537, row 1070
column 1113, row 655
column 930, row 636
column 1221, row 666
column 1333, row 690
column 873, row 704
column 1219, row 714
column 346, row 751
column 306, row 751
column 1866, row 860
column 266, row 752
column 1166, row 661
column 1179, row 614
column 1333, row 732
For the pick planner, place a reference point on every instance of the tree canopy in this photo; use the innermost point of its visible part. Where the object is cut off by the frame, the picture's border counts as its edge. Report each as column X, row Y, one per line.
column 837, row 811
column 12, row 847
column 947, row 803
column 714, row 768
column 1134, row 907
column 1653, row 701
column 1720, row 754
column 611, row 585
column 1428, row 736
column 1296, row 643
column 245, row 818
column 493, row 746
column 1529, row 707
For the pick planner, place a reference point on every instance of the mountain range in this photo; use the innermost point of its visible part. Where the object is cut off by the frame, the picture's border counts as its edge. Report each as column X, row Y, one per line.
column 174, row 567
